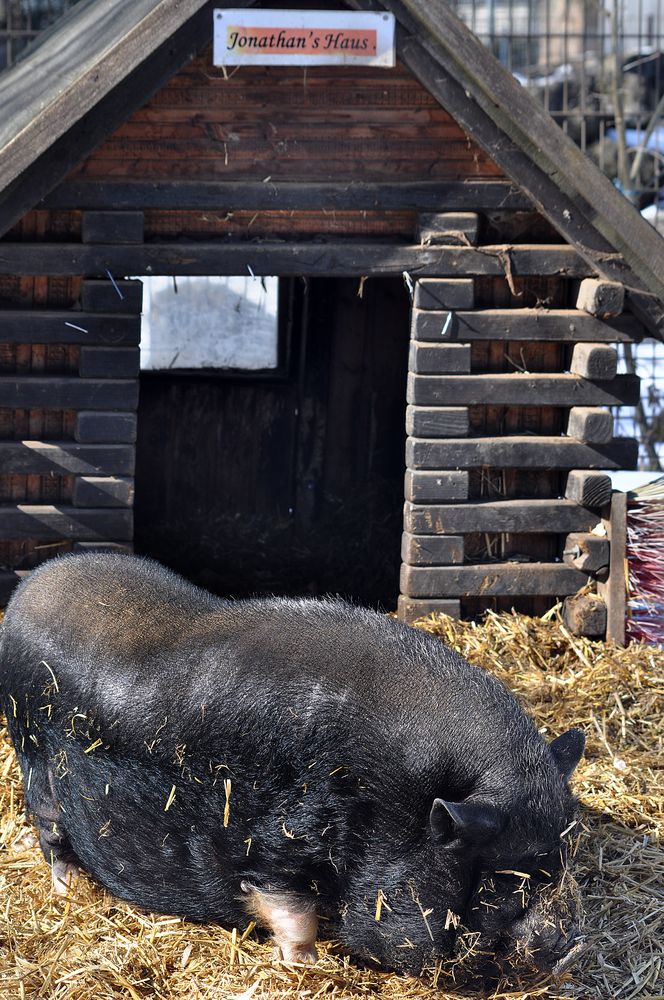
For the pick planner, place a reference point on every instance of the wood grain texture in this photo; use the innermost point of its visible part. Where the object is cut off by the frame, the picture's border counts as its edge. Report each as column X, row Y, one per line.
column 515, row 579
column 614, row 591
column 535, row 452
column 342, row 259
column 566, row 325
column 518, row 389
column 514, row 516
column 63, row 457
column 46, row 522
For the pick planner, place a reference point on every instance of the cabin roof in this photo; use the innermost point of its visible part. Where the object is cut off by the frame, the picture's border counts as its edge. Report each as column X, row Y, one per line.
column 58, row 104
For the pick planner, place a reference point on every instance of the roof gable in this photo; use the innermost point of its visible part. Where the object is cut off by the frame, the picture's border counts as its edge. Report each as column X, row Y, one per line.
column 94, row 51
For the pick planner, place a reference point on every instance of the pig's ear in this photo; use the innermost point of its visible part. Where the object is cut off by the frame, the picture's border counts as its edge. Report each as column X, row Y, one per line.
column 469, row 821
column 568, row 750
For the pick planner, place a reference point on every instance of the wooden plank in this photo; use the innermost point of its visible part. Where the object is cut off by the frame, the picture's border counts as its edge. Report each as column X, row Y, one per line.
column 437, row 421
column 334, row 259
column 53, row 393
column 596, row 361
column 109, row 362
column 587, row 552
column 453, row 293
column 592, row 489
column 601, row 298
column 514, row 516
column 103, row 491
column 37, row 157
column 518, row 389
column 117, row 296
column 65, row 457
column 112, row 227
column 585, row 614
column 46, row 326
column 566, row 325
column 438, row 359
column 591, row 424
column 250, row 195
column 518, row 452
column 564, row 184
column 425, row 487
column 455, row 228
column 431, row 550
column 47, row 523
column 492, row 580
column 614, row 591
column 410, row 609
column 93, row 427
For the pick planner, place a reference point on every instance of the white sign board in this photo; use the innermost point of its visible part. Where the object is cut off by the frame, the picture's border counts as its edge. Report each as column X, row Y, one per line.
column 303, row 38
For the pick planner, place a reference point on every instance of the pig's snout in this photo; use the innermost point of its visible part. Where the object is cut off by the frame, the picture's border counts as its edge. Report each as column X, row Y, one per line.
column 548, row 935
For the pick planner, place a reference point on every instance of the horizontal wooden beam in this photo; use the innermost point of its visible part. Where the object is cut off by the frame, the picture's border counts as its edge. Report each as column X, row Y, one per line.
column 411, row 608
column 28, row 326
column 46, row 523
column 532, row 452
column 103, row 427
column 437, row 421
column 109, row 362
column 513, row 516
column 492, row 580
column 68, row 393
column 431, row 550
column 567, row 325
column 519, row 389
column 434, row 196
column 117, row 296
column 66, row 458
column 334, row 259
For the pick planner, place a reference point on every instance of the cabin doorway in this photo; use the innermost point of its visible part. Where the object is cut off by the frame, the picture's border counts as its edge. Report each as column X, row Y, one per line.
column 286, row 479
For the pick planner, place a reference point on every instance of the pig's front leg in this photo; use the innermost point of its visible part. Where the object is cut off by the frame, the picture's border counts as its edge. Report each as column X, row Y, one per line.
column 292, row 919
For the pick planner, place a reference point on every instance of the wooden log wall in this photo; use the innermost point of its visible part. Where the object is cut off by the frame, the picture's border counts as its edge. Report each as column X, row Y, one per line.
column 508, row 390
column 69, row 392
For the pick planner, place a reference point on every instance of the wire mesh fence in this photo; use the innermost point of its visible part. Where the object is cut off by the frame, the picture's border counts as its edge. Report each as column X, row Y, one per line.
column 597, row 66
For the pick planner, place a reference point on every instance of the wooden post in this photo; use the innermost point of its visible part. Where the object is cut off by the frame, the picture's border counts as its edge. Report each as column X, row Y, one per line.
column 614, row 591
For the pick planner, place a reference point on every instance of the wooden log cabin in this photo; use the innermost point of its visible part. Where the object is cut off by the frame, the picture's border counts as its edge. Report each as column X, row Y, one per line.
column 453, row 277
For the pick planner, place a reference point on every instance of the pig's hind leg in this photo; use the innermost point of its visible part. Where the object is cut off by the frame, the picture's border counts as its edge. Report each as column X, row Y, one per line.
column 42, row 805
column 291, row 918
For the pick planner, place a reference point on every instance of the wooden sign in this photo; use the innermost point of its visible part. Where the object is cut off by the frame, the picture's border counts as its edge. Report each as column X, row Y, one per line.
column 303, row 38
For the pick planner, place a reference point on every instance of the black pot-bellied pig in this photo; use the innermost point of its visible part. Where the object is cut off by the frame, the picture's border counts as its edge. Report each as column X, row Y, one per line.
column 292, row 759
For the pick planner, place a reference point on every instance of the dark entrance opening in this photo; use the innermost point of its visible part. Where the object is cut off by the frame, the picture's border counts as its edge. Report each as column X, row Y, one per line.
column 290, row 482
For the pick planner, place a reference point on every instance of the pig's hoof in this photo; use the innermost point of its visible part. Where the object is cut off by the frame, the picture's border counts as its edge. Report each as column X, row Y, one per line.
column 304, row 954
column 27, row 841
column 63, row 876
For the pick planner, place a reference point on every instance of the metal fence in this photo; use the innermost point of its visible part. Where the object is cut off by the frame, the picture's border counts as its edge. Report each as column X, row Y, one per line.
column 598, row 68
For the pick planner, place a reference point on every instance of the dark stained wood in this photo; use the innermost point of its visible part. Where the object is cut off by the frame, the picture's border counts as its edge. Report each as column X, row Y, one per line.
column 597, row 361
column 48, row 159
column 585, row 614
column 112, row 227
column 103, row 491
column 109, row 362
column 31, row 392
column 515, row 579
column 102, row 296
column 534, row 452
column 432, row 487
column 455, row 228
column 614, row 591
column 601, row 298
column 431, row 550
column 438, row 359
column 519, row 389
column 436, row 421
column 592, row 489
column 330, row 258
column 67, row 327
column 453, row 293
column 591, row 424
column 587, row 552
column 411, row 609
column 49, row 522
column 568, row 325
column 514, row 516
column 62, row 457
column 94, row 427
column 223, row 196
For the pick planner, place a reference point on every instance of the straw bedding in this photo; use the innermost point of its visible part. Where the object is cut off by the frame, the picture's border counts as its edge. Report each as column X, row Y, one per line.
column 91, row 947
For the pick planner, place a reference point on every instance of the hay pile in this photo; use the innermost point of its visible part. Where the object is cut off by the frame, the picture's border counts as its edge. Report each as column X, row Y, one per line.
column 90, row 947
